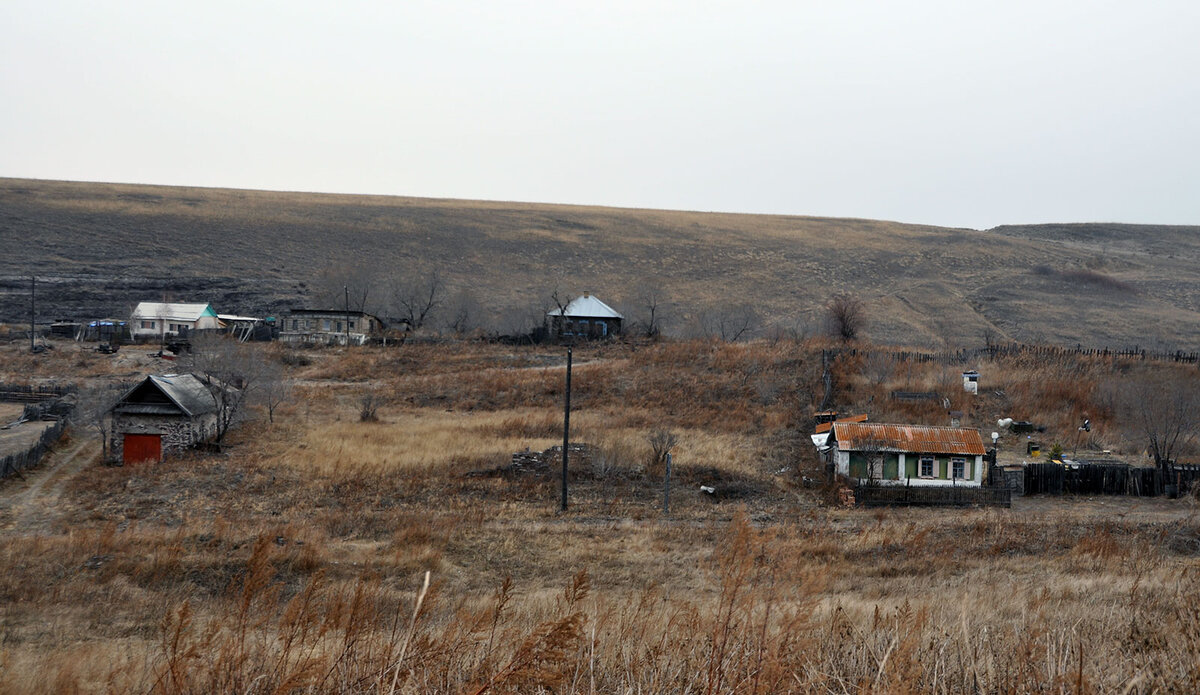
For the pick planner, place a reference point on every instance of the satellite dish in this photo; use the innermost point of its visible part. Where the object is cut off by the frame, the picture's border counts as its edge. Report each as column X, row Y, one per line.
column 995, row 436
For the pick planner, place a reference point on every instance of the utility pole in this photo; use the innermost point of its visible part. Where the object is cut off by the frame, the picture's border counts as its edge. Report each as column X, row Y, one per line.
column 32, row 312
column 566, row 433
column 347, row 290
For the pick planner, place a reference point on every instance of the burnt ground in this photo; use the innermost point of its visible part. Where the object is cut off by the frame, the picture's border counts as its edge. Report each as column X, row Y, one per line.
column 100, row 248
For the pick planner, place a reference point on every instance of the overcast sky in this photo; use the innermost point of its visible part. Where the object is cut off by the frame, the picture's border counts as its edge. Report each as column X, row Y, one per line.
column 954, row 113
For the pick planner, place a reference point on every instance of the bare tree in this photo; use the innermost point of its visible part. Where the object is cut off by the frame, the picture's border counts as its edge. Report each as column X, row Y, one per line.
column 736, row 322
column 652, row 304
column 729, row 322
column 233, row 372
column 463, row 312
column 1163, row 408
column 879, row 366
column 845, row 317
column 415, row 298
column 92, row 410
column 346, row 286
column 275, row 388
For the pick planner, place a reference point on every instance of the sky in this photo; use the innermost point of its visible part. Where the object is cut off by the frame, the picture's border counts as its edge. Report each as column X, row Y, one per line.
column 955, row 113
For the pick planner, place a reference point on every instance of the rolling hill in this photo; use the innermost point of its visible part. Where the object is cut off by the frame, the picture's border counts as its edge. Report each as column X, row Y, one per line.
column 99, row 248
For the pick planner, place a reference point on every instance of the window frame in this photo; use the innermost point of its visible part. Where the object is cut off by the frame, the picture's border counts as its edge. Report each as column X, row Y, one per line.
column 932, row 461
column 958, row 468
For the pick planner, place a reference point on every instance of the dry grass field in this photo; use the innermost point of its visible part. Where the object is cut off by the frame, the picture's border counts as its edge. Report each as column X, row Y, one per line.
column 100, row 248
column 295, row 561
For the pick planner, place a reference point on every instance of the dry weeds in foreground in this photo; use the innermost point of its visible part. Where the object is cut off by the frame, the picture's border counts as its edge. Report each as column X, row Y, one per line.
column 850, row 602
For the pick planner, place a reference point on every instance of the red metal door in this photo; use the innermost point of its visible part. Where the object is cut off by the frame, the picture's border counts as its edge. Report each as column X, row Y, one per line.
column 142, row 447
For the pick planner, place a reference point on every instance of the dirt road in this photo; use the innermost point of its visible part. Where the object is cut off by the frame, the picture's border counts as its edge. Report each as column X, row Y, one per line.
column 34, row 502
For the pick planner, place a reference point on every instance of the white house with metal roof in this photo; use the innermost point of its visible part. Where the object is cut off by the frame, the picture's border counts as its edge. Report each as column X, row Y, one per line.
column 907, row 454
column 170, row 319
column 584, row 317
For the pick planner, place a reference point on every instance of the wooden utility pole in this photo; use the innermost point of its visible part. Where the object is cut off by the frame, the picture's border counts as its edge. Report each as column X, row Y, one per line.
column 566, row 433
column 32, row 312
column 347, row 289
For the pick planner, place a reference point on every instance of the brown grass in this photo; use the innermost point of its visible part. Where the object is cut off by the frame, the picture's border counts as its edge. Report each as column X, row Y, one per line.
column 293, row 562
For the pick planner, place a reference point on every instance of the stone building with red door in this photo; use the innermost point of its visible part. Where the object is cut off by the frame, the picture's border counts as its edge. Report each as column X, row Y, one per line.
column 160, row 415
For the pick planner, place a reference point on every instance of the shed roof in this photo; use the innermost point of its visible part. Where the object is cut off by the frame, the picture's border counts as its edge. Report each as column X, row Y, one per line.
column 586, row 307
column 185, row 391
column 824, row 427
column 856, row 436
column 171, row 311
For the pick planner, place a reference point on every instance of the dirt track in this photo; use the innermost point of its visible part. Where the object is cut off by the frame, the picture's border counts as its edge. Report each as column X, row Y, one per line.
column 32, row 503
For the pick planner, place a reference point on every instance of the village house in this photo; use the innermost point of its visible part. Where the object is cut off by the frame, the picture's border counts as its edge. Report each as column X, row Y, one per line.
column 160, row 415
column 161, row 320
column 906, row 454
column 329, row 327
column 584, row 317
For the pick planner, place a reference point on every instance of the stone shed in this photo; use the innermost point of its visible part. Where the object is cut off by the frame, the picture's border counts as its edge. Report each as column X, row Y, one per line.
column 160, row 415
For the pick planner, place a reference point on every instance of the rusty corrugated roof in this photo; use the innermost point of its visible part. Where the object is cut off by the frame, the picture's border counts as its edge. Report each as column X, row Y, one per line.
column 824, row 426
column 855, row 436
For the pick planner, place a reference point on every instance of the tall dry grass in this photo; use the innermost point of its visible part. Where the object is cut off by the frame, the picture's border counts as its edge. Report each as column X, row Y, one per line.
column 786, row 608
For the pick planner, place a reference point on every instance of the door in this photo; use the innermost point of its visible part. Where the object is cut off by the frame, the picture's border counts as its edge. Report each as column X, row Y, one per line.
column 142, row 447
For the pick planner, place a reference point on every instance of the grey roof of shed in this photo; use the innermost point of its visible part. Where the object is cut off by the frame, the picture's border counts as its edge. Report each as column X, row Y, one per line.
column 586, row 307
column 188, row 392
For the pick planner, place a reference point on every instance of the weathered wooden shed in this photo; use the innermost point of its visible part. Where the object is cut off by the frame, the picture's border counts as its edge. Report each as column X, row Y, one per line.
column 160, row 415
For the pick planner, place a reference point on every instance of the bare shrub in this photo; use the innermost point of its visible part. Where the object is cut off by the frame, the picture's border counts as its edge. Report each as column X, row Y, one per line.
column 661, row 443
column 845, row 317
column 368, row 407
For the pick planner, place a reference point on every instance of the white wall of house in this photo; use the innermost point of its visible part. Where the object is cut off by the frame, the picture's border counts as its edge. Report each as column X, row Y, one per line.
column 842, row 466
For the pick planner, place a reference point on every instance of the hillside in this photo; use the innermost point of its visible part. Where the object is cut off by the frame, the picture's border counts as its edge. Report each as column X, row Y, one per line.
column 99, row 248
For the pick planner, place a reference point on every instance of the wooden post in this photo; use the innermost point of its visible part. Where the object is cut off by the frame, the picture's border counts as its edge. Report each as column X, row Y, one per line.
column 667, row 487
column 32, row 312
column 347, row 289
column 566, row 433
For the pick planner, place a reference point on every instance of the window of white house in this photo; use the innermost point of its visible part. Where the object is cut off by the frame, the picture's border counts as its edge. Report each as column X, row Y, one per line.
column 147, row 324
column 294, row 324
column 926, row 466
column 326, row 324
column 959, row 467
column 351, row 325
column 339, row 326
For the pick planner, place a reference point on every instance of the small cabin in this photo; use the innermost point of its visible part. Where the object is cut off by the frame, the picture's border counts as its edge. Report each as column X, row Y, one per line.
column 584, row 317
column 160, row 415
column 971, row 381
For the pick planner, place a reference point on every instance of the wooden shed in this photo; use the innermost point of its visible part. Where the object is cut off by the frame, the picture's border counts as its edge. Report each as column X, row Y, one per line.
column 584, row 317
column 160, row 415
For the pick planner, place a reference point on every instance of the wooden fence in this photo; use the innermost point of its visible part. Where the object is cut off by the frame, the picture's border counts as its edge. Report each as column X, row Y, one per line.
column 15, row 463
column 866, row 495
column 1107, row 479
column 28, row 393
column 970, row 355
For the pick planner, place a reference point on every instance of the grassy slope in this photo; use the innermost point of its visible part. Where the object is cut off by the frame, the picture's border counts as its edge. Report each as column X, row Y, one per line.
column 251, row 251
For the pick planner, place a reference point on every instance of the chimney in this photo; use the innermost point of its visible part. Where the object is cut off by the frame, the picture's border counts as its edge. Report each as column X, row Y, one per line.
column 586, row 294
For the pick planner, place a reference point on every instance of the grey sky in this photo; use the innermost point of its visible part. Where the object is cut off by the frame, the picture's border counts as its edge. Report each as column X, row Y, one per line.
column 955, row 113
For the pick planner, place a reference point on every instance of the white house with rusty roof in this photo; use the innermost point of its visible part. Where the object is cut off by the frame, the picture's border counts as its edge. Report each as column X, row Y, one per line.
column 584, row 317
column 907, row 454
